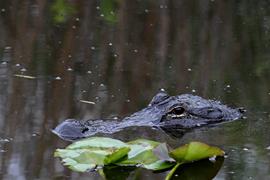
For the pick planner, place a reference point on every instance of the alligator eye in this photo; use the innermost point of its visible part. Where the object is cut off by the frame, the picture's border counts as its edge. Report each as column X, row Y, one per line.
column 177, row 111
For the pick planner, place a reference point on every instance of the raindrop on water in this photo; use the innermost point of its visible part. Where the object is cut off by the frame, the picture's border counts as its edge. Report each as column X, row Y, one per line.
column 23, row 70
column 4, row 140
column 162, row 89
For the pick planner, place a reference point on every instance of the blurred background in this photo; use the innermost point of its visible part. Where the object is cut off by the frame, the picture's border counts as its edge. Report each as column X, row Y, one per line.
column 107, row 58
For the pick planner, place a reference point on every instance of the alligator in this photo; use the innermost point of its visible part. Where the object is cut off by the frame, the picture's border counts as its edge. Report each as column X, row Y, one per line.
column 173, row 114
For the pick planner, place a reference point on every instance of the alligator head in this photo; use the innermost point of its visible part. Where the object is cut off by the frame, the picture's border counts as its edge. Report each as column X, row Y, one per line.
column 174, row 114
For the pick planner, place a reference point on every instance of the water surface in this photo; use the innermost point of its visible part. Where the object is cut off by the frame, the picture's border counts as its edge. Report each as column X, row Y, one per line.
column 118, row 54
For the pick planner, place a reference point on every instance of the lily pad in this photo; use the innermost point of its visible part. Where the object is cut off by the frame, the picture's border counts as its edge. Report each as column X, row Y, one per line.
column 97, row 152
column 195, row 151
column 91, row 153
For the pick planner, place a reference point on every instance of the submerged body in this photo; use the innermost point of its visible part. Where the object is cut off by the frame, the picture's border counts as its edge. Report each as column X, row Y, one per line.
column 174, row 114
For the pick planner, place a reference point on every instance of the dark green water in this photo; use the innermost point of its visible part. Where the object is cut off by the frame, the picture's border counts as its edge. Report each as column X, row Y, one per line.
column 118, row 54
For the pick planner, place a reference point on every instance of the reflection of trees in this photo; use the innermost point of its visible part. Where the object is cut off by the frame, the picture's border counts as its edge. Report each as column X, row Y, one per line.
column 153, row 44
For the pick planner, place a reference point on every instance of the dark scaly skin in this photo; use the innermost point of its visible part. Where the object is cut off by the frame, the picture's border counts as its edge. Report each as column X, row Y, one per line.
column 174, row 114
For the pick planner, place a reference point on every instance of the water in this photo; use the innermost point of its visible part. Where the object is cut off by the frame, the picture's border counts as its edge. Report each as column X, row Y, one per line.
column 117, row 55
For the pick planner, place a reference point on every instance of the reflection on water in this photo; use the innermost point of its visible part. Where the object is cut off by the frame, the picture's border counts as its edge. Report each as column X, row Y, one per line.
column 117, row 54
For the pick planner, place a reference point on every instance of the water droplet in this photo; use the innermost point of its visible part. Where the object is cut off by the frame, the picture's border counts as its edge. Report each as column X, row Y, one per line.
column 146, row 11
column 245, row 149
column 77, row 19
column 4, row 140
column 4, row 63
column 128, row 100
column 97, row 7
column 3, row 10
column 115, row 117
column 57, row 78
column 7, row 48
column 17, row 65
column 101, row 85
column 92, row 83
column 135, row 50
column 163, row 90
column 2, row 151
column 89, row 72
column 23, row 70
column 110, row 44
column 34, row 134
column 101, row 15
column 93, row 47
column 115, row 55
column 189, row 69
column 69, row 69
column 193, row 90
column 73, row 27
column 69, row 56
column 212, row 159
column 268, row 148
column 228, row 86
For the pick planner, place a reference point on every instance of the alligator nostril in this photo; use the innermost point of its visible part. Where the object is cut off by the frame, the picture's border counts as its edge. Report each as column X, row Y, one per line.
column 242, row 110
column 84, row 130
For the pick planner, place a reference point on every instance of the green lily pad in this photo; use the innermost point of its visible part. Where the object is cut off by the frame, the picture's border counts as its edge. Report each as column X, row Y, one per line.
column 90, row 153
column 195, row 151
column 97, row 142
column 97, row 152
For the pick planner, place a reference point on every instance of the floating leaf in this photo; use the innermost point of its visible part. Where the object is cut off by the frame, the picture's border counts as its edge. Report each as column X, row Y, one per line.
column 97, row 142
column 97, row 152
column 94, row 152
column 195, row 151
column 191, row 152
